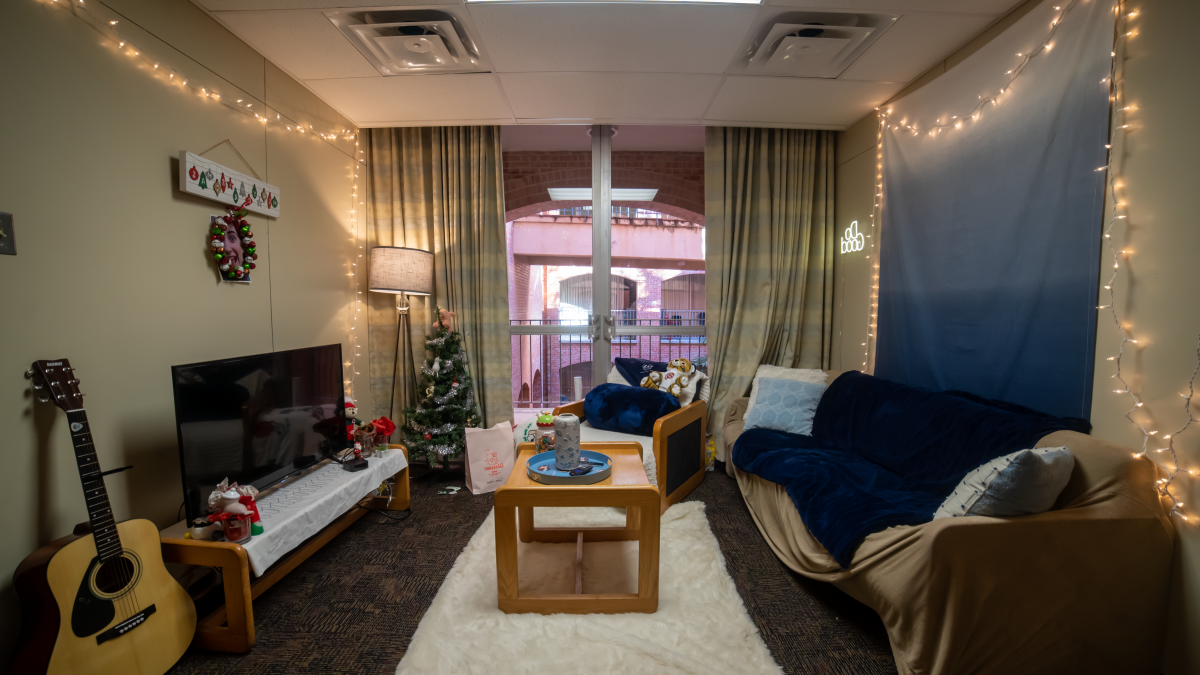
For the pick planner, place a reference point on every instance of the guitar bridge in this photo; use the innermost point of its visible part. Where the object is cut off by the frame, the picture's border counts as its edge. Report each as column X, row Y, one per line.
column 125, row 626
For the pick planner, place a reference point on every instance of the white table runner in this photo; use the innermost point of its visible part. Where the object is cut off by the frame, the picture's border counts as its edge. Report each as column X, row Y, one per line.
column 298, row 509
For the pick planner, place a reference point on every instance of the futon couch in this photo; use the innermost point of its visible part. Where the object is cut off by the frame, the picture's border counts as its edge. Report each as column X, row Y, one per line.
column 1078, row 589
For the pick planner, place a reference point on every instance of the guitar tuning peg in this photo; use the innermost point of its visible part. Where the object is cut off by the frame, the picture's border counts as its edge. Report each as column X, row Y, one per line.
column 39, row 387
column 43, row 400
column 29, row 374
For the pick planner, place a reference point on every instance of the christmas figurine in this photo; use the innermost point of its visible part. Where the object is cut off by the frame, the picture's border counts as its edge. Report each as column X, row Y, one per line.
column 352, row 421
column 443, row 320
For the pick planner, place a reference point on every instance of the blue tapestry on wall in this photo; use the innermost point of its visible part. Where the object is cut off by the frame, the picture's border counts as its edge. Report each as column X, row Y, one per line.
column 990, row 245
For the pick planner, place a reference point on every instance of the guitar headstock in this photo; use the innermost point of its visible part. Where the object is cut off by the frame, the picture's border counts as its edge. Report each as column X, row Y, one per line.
column 55, row 382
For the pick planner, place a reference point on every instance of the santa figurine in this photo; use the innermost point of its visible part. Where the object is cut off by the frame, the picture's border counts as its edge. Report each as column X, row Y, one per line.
column 352, row 421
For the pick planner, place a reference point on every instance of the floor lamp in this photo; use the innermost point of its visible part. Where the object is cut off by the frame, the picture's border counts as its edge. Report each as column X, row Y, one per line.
column 400, row 271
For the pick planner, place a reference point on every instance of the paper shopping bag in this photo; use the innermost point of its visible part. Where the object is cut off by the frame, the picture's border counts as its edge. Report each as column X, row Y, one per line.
column 490, row 456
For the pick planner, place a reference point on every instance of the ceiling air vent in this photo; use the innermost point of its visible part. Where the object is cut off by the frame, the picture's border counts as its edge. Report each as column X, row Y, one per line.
column 812, row 44
column 410, row 42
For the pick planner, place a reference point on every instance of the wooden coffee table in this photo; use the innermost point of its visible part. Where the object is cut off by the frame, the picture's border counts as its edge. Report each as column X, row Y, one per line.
column 627, row 487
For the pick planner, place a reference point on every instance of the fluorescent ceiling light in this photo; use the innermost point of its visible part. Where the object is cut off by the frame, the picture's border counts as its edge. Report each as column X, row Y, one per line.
column 718, row 2
column 618, row 194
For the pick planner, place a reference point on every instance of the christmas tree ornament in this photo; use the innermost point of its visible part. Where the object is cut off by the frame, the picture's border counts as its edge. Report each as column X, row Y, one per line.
column 203, row 181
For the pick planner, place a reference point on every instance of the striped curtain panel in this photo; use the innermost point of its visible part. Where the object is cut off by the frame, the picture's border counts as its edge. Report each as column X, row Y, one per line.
column 441, row 189
column 768, row 209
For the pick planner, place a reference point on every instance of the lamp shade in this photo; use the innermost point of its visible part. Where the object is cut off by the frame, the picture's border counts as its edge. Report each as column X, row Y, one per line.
column 401, row 270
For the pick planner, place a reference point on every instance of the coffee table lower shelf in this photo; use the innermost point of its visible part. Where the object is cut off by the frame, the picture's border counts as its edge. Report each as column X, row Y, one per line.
column 626, row 487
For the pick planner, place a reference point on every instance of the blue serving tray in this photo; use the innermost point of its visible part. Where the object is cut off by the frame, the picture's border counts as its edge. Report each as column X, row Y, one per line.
column 540, row 468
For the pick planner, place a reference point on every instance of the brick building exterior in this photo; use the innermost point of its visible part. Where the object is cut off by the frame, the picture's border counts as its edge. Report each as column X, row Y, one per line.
column 543, row 367
column 678, row 177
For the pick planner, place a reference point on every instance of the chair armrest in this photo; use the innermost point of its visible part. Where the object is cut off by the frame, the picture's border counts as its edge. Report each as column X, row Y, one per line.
column 664, row 428
column 672, row 422
column 574, row 407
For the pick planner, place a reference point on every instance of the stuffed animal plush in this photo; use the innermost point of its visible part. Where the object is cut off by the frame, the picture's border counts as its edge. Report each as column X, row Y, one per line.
column 352, row 422
column 681, row 380
column 684, row 366
column 445, row 316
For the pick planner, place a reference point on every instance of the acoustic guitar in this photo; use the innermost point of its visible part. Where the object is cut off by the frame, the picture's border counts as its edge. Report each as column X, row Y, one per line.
column 101, row 602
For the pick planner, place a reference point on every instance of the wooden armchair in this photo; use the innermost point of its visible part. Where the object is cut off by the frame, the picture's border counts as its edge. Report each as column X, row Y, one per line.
column 678, row 448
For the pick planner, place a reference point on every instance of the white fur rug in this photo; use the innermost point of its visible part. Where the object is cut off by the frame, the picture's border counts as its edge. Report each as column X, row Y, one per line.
column 701, row 626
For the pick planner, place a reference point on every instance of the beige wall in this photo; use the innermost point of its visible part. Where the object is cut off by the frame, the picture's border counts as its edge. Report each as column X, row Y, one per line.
column 89, row 169
column 1160, row 170
column 1156, row 286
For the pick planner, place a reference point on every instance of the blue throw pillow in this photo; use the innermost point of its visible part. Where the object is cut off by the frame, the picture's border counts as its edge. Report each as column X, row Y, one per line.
column 634, row 370
column 628, row 410
column 785, row 405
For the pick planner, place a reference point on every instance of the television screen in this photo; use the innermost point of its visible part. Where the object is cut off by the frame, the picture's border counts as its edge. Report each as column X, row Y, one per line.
column 256, row 419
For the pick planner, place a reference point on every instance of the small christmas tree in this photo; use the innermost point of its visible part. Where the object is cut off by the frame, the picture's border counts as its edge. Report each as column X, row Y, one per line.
column 435, row 428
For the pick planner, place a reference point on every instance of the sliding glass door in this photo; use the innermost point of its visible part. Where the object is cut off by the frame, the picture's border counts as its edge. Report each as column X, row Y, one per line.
column 575, row 305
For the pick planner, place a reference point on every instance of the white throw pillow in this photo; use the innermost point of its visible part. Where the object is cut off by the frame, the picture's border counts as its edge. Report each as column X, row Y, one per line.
column 814, row 375
column 615, row 377
column 1022, row 483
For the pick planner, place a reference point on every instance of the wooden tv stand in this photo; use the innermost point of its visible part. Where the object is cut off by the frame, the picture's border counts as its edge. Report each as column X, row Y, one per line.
column 231, row 627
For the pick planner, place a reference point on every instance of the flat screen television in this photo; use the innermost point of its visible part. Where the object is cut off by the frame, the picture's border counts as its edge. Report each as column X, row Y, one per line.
column 256, row 419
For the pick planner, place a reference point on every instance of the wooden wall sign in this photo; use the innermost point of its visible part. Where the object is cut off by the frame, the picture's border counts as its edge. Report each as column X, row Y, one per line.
column 203, row 178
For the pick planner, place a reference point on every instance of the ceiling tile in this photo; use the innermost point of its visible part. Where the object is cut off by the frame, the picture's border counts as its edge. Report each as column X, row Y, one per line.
column 304, row 43
column 407, row 100
column 965, row 6
column 796, row 101
column 611, row 36
column 227, row 5
column 608, row 96
column 913, row 44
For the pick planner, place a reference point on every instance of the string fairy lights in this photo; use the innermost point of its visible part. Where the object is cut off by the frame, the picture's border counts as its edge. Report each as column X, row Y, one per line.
column 873, row 256
column 171, row 76
column 1119, row 124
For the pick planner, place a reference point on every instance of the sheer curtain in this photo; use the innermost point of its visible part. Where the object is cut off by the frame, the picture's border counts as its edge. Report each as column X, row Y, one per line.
column 441, row 189
column 769, row 263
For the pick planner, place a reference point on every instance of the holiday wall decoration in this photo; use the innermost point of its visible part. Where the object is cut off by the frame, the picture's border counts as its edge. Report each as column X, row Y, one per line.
column 436, row 427
column 200, row 177
column 232, row 244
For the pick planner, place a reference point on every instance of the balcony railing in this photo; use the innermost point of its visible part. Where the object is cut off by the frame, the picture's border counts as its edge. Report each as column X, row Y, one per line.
column 544, row 366
column 617, row 212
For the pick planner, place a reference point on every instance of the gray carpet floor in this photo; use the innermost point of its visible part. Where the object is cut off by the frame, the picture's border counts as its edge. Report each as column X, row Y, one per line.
column 354, row 605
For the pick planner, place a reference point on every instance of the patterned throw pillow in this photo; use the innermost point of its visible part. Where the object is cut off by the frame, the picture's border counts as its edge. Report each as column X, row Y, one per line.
column 1019, row 484
column 778, row 373
column 785, row 405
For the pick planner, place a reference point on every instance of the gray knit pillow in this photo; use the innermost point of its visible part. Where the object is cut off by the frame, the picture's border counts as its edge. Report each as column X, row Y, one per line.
column 1025, row 482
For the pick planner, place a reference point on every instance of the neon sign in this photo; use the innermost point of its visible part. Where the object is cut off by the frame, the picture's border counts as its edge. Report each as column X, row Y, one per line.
column 852, row 240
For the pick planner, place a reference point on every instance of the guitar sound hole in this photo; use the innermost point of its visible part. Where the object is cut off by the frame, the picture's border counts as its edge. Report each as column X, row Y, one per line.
column 115, row 575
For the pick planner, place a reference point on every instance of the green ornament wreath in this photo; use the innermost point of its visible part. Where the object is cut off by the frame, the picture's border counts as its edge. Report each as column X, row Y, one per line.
column 236, row 219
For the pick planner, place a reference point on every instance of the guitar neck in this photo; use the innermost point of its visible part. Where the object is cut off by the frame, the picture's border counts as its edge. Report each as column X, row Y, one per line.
column 104, row 526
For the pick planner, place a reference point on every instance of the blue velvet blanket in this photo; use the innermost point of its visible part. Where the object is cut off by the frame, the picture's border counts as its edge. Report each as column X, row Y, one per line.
column 883, row 454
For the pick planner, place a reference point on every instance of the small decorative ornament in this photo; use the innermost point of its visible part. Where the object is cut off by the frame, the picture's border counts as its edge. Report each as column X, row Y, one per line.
column 427, row 436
